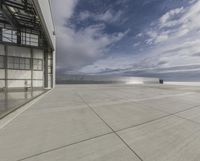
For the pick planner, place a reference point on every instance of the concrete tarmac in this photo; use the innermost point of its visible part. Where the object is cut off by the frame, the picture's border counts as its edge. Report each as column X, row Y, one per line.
column 107, row 123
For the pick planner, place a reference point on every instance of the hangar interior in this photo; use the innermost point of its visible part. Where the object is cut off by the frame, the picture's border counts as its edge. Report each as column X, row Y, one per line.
column 26, row 55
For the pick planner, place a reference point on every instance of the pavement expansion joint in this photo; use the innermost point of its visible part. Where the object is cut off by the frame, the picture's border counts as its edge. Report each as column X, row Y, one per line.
column 135, row 153
column 62, row 147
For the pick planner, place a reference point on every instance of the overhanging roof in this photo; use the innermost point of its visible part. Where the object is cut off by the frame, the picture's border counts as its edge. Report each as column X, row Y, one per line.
column 32, row 16
column 43, row 8
column 20, row 14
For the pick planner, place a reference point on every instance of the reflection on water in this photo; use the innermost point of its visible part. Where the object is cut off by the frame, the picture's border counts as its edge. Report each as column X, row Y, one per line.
column 11, row 100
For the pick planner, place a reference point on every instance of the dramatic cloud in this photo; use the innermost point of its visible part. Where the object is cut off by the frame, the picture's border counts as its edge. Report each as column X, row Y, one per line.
column 173, row 40
column 154, row 38
column 76, row 49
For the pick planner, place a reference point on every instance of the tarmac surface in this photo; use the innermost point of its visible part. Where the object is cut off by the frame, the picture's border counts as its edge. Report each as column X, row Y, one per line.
column 106, row 123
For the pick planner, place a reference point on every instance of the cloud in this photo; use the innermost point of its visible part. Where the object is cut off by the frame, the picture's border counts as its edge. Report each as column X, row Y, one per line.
column 63, row 10
column 77, row 48
column 175, row 23
column 167, row 19
column 169, row 46
column 173, row 42
column 108, row 16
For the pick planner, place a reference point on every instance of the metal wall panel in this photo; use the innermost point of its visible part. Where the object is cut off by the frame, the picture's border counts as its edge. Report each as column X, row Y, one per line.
column 2, row 83
column 37, row 83
column 2, row 73
column 54, row 68
column 2, row 51
column 17, row 78
column 18, row 83
column 19, row 74
column 49, row 81
column 19, row 51
column 38, row 74
column 38, row 54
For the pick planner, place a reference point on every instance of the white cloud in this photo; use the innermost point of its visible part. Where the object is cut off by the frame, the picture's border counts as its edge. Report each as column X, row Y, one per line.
column 175, row 37
column 177, row 45
column 63, row 10
column 175, row 24
column 78, row 48
column 168, row 17
column 161, row 38
column 108, row 16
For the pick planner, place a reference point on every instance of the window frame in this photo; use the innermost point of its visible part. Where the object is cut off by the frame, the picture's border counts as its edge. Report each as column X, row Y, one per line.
column 23, row 63
column 19, row 63
column 3, row 61
column 38, row 68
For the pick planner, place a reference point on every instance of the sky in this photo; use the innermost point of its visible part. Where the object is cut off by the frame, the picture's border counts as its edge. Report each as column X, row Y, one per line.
column 154, row 38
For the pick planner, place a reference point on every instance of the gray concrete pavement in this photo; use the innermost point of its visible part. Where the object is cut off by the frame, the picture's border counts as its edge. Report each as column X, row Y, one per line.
column 107, row 123
column 167, row 139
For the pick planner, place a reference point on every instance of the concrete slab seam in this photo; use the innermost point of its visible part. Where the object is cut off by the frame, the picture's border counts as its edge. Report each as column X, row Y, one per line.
column 169, row 114
column 111, row 129
column 62, row 147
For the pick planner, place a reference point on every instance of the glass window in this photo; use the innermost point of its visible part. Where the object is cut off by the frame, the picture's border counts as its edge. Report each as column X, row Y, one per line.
column 16, row 63
column 27, row 64
column 10, row 62
column 9, row 35
column 37, row 64
column 19, row 63
column 22, row 63
column 29, row 39
column 1, row 61
column 34, row 40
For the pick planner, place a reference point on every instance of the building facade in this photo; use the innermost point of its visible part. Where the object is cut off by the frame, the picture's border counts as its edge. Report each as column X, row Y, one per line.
column 27, row 44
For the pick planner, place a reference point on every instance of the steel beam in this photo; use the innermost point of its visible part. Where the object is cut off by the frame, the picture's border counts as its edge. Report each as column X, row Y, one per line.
column 32, row 56
column 1, row 35
column 6, row 67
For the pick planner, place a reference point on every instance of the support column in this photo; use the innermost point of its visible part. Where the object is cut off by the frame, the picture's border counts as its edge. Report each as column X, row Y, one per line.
column 6, row 66
column 54, row 68
column 6, row 75
column 45, row 68
column 19, row 36
column 51, row 67
column 31, row 70
column 1, row 34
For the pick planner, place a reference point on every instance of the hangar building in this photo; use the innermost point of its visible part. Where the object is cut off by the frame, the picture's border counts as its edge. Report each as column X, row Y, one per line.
column 27, row 45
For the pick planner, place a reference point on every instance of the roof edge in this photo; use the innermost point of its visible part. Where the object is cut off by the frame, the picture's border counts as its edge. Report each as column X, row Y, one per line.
column 43, row 9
